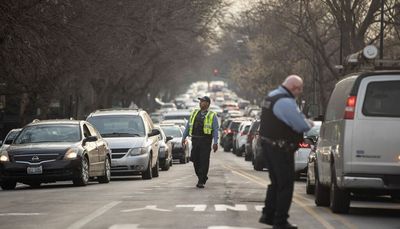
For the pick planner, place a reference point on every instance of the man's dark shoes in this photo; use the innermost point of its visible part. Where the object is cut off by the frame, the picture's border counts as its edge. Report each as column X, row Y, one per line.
column 200, row 185
column 266, row 220
column 285, row 226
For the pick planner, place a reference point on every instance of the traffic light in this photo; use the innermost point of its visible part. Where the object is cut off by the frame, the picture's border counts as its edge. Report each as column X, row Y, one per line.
column 215, row 72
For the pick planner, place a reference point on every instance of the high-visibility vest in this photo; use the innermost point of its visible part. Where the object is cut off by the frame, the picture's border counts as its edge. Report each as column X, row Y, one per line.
column 208, row 120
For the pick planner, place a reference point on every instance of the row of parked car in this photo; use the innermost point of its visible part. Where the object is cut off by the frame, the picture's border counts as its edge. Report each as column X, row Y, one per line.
column 241, row 135
column 109, row 142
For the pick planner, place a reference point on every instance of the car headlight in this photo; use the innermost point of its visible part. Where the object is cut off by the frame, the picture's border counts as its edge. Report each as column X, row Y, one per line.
column 71, row 154
column 136, row 151
column 4, row 156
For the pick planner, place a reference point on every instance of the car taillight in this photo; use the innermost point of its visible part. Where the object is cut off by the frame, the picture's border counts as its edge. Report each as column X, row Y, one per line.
column 304, row 145
column 350, row 107
column 227, row 131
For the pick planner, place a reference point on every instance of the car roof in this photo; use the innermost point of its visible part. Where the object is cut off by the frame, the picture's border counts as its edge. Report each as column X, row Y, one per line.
column 54, row 121
column 116, row 111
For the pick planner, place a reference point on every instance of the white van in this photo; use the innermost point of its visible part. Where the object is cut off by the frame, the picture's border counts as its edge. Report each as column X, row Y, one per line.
column 359, row 146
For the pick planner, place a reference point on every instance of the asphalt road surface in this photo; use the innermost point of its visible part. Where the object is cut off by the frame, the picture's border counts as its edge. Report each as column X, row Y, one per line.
column 233, row 198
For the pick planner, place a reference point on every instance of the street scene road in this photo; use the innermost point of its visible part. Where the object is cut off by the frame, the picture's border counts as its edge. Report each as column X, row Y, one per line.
column 232, row 198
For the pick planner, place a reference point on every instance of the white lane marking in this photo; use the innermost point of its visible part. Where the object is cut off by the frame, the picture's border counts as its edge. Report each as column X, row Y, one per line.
column 148, row 207
column 124, row 226
column 224, row 207
column 21, row 214
column 259, row 207
column 229, row 227
column 80, row 223
column 196, row 207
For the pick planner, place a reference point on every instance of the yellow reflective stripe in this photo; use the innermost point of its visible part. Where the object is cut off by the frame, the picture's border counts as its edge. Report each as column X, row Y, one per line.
column 192, row 116
column 208, row 122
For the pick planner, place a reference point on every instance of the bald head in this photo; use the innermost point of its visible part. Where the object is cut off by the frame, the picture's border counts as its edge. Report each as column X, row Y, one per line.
column 294, row 84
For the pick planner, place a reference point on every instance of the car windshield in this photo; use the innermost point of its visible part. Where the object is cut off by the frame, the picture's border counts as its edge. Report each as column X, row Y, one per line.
column 11, row 136
column 173, row 131
column 172, row 117
column 49, row 133
column 118, row 125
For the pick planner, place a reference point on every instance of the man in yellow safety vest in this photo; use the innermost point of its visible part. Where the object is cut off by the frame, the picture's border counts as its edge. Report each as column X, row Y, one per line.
column 203, row 128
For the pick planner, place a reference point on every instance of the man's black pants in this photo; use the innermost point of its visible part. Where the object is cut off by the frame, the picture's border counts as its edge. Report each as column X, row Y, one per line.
column 281, row 173
column 200, row 156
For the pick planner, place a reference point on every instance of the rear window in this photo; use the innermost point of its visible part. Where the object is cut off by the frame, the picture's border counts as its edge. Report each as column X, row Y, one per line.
column 381, row 99
column 234, row 126
column 118, row 125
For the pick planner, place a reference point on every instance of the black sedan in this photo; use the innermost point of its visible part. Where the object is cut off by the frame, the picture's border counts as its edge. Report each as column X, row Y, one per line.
column 55, row 150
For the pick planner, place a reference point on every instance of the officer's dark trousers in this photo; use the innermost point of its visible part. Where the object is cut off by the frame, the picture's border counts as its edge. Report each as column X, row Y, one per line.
column 281, row 173
column 200, row 156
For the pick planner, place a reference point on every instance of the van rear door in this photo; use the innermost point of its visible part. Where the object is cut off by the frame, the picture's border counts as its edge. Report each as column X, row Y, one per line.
column 376, row 131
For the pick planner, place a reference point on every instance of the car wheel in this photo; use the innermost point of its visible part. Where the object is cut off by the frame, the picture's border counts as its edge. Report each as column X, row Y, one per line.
column 339, row 198
column 183, row 160
column 247, row 157
column 170, row 162
column 166, row 165
column 226, row 147
column 309, row 186
column 8, row 184
column 83, row 178
column 147, row 174
column 321, row 193
column 155, row 170
column 258, row 165
column 107, row 172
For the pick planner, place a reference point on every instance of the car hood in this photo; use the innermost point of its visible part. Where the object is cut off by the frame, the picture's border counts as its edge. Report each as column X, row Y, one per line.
column 126, row 143
column 49, row 147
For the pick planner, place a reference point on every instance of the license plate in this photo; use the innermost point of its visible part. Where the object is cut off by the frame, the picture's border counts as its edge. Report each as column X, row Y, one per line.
column 35, row 170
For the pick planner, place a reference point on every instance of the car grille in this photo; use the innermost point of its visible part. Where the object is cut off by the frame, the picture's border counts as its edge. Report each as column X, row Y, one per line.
column 118, row 153
column 35, row 158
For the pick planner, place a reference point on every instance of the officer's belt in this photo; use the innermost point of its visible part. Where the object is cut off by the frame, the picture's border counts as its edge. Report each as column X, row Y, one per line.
column 278, row 142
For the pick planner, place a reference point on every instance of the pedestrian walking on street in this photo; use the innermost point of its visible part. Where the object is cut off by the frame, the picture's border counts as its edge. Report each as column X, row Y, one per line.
column 203, row 128
column 281, row 129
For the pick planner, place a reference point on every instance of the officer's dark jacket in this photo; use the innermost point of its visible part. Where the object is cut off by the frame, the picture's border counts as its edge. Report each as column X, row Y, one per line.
column 273, row 128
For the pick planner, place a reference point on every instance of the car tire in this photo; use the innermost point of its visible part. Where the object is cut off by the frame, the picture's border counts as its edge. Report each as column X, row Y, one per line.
column 147, row 174
column 183, row 160
column 321, row 193
column 166, row 165
column 310, row 188
column 155, row 170
column 247, row 157
column 83, row 177
column 107, row 172
column 258, row 165
column 226, row 147
column 339, row 198
column 8, row 184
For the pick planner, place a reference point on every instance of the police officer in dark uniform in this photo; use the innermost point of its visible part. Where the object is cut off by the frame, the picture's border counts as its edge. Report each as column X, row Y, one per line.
column 203, row 128
column 281, row 129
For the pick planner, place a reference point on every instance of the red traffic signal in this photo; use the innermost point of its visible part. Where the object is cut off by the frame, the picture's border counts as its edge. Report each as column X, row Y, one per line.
column 215, row 72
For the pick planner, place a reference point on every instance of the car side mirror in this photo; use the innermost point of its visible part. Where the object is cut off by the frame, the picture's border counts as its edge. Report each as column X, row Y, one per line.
column 89, row 139
column 153, row 133
column 169, row 138
column 9, row 142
